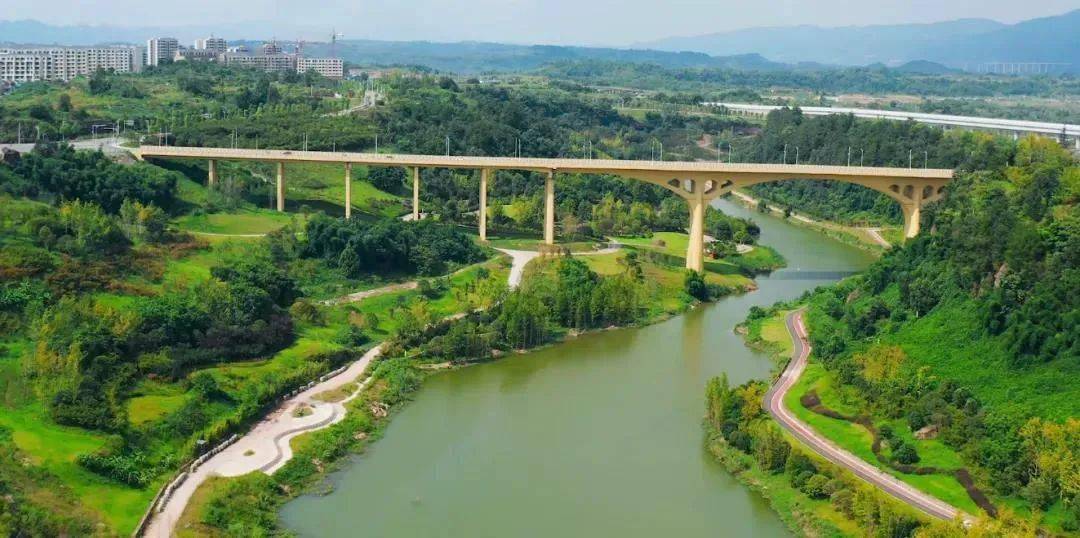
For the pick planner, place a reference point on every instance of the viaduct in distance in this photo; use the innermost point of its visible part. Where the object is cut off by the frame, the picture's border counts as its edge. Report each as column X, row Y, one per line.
column 696, row 182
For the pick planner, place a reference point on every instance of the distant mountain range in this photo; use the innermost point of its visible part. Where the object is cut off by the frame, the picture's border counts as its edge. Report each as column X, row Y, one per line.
column 475, row 57
column 958, row 43
column 924, row 48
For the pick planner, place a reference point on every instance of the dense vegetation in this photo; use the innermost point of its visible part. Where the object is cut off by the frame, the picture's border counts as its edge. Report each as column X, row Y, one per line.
column 388, row 247
column 59, row 173
column 970, row 332
column 836, row 139
column 877, row 80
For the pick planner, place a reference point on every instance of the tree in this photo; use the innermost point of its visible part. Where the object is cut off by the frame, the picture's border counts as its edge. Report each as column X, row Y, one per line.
column 770, row 448
column 694, row 284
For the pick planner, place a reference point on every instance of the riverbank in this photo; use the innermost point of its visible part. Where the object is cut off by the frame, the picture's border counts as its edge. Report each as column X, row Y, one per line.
column 611, row 420
column 351, row 436
column 871, row 239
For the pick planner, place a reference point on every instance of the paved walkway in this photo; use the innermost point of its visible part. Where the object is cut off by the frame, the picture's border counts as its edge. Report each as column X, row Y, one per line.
column 266, row 447
column 875, row 234
column 774, row 404
column 521, row 258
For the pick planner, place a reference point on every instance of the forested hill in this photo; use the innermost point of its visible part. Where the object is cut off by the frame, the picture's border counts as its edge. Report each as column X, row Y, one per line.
column 973, row 329
column 475, row 57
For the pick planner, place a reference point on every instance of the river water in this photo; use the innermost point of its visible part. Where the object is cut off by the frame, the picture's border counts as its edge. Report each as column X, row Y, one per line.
column 598, row 436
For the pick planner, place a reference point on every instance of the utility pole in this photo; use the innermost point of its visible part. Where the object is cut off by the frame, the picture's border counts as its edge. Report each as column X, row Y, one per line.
column 849, row 155
column 796, row 154
column 785, row 153
column 909, row 158
column 447, row 146
column 926, row 158
column 861, row 154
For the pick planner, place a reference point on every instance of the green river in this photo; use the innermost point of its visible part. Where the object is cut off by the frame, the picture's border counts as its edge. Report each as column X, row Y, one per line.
column 598, row 436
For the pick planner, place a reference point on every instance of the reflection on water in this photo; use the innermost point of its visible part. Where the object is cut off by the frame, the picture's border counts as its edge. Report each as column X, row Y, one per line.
column 599, row 436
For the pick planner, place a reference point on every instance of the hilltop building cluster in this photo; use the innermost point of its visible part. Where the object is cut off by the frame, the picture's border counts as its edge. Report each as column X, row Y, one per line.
column 31, row 64
column 269, row 57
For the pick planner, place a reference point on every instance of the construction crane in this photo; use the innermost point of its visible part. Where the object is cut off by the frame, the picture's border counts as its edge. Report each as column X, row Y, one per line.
column 334, row 35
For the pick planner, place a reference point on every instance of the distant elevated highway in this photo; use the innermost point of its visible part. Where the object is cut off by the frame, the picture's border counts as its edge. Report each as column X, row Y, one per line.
column 1067, row 131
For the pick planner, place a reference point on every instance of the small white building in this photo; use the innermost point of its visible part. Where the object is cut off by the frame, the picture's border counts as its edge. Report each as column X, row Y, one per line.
column 327, row 67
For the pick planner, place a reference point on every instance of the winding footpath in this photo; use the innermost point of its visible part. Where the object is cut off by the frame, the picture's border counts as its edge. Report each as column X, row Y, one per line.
column 774, row 404
column 266, row 447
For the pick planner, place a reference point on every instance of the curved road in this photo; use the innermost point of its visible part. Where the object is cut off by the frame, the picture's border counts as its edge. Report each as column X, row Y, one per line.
column 774, row 404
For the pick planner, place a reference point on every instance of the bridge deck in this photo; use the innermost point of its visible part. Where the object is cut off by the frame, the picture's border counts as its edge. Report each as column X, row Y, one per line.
column 544, row 164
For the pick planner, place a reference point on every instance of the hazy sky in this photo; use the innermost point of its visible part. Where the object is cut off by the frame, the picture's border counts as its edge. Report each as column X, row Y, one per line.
column 520, row 21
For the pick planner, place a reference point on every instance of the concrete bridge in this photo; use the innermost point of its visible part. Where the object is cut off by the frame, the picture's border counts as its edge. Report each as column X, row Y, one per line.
column 696, row 182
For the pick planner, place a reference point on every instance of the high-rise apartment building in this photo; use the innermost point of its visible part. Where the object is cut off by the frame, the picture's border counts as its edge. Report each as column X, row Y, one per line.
column 65, row 63
column 161, row 50
column 216, row 45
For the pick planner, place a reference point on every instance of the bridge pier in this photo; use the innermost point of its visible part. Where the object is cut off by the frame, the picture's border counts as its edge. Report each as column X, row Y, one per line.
column 483, row 203
column 549, row 208
column 211, row 175
column 280, row 186
column 695, row 251
column 416, row 193
column 348, row 190
column 912, row 213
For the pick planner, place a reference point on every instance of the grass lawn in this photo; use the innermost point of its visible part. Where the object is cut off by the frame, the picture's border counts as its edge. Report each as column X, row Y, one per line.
column 325, row 182
column 774, row 330
column 895, row 236
column 675, row 244
column 857, row 440
column 54, row 448
column 665, row 285
column 242, row 222
column 535, row 243
column 770, row 334
column 189, row 525
column 152, row 400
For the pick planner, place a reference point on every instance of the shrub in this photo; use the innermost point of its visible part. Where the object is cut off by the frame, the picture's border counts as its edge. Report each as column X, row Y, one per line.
column 304, row 310
column 352, row 336
column 694, row 284
column 817, row 487
column 905, row 453
column 1041, row 492
column 131, row 469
